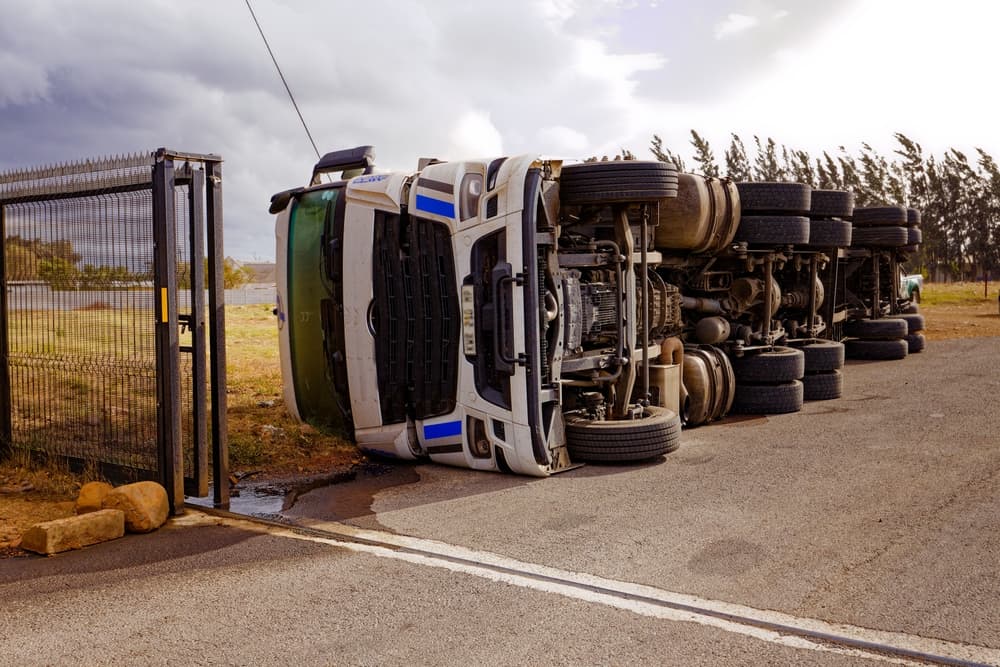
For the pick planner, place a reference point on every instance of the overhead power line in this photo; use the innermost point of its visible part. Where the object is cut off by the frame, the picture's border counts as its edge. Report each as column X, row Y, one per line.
column 283, row 80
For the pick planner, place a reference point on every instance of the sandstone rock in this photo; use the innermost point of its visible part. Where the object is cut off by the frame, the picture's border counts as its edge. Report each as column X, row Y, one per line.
column 92, row 496
column 74, row 532
column 145, row 505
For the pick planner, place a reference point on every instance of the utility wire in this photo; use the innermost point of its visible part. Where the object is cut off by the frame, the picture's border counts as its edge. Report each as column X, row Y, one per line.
column 290, row 96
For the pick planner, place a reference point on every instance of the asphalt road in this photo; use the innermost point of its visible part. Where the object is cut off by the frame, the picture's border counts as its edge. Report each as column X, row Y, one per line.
column 874, row 512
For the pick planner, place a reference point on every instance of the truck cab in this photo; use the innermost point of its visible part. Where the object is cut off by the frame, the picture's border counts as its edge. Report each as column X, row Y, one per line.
column 439, row 314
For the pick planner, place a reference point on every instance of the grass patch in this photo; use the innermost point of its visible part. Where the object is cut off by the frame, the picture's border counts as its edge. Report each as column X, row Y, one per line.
column 261, row 431
column 958, row 294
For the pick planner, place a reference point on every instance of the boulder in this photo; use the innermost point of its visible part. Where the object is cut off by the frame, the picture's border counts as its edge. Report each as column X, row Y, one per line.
column 92, row 496
column 145, row 505
column 74, row 532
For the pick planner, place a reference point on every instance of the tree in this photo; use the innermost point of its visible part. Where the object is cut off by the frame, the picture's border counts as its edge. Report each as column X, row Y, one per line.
column 766, row 166
column 234, row 275
column 799, row 167
column 21, row 263
column 703, row 155
column 664, row 154
column 59, row 273
column 737, row 164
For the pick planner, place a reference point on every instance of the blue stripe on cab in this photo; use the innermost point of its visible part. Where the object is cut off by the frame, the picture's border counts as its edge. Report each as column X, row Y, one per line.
column 435, row 206
column 443, row 430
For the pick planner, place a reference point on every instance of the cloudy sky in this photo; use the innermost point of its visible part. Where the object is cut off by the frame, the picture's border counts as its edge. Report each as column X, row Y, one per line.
column 474, row 78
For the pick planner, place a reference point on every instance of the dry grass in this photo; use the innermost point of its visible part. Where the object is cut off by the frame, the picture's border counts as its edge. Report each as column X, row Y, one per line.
column 959, row 294
column 261, row 432
column 959, row 310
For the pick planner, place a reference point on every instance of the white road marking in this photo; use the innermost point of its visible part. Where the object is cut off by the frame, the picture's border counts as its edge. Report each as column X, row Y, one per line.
column 635, row 598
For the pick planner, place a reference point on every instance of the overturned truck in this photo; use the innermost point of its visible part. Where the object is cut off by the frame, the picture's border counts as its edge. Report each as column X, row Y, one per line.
column 522, row 315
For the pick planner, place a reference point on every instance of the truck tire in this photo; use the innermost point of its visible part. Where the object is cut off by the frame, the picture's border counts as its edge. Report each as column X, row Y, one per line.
column 879, row 237
column 824, row 355
column 621, row 181
column 770, row 198
column 876, row 350
column 832, row 204
column 880, row 216
column 768, row 399
column 830, row 233
column 914, row 236
column 889, row 328
column 782, row 364
column 912, row 217
column 658, row 432
column 773, row 230
column 915, row 342
column 823, row 386
column 914, row 321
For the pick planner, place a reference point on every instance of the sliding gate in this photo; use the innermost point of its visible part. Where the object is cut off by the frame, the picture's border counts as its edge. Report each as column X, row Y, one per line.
column 109, row 355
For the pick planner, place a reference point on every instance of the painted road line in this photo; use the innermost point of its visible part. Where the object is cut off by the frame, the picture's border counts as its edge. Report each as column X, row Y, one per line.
column 764, row 625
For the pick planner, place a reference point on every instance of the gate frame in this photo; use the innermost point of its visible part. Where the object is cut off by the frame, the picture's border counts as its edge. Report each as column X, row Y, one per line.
column 204, row 183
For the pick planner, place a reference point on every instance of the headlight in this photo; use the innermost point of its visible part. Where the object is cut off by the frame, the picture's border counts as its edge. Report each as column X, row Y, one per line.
column 470, row 191
column 479, row 443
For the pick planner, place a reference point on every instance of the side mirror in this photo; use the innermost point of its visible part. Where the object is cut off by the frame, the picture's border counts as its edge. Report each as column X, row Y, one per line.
column 280, row 201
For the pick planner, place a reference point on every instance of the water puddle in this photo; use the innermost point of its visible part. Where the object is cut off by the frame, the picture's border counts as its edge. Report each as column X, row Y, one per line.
column 334, row 497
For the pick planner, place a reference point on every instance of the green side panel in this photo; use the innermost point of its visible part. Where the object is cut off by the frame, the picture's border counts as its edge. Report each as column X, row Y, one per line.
column 307, row 287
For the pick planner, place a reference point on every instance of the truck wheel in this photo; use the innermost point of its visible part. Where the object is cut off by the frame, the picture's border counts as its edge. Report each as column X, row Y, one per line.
column 914, row 321
column 830, row 233
column 884, row 329
column 768, row 198
column 879, row 237
column 768, row 399
column 915, row 342
column 824, row 355
column 658, row 432
column 621, row 181
column 782, row 364
column 880, row 216
column 773, row 230
column 914, row 236
column 914, row 300
column 880, row 350
column 823, row 386
column 912, row 217
column 832, row 204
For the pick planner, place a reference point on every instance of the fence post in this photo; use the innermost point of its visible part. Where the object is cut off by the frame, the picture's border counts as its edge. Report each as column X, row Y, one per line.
column 196, row 217
column 217, row 332
column 6, row 429
column 169, row 452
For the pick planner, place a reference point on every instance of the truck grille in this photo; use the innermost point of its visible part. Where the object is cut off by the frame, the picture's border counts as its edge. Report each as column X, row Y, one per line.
column 415, row 318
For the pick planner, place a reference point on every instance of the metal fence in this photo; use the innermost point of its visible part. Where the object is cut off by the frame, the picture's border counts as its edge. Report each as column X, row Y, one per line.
column 103, row 340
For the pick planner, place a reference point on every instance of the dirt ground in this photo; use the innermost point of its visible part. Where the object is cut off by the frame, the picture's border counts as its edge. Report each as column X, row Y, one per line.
column 29, row 496
column 947, row 321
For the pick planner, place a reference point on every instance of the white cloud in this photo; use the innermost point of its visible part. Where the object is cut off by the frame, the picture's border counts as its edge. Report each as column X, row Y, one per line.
column 734, row 24
column 474, row 135
column 561, row 140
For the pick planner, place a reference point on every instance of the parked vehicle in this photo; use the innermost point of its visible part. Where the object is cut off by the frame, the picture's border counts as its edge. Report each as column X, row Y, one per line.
column 910, row 286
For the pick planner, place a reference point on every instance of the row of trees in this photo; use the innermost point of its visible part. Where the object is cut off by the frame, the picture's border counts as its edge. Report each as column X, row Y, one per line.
column 58, row 264
column 957, row 194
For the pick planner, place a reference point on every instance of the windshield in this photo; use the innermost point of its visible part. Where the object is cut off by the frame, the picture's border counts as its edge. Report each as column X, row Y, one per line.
column 307, row 292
